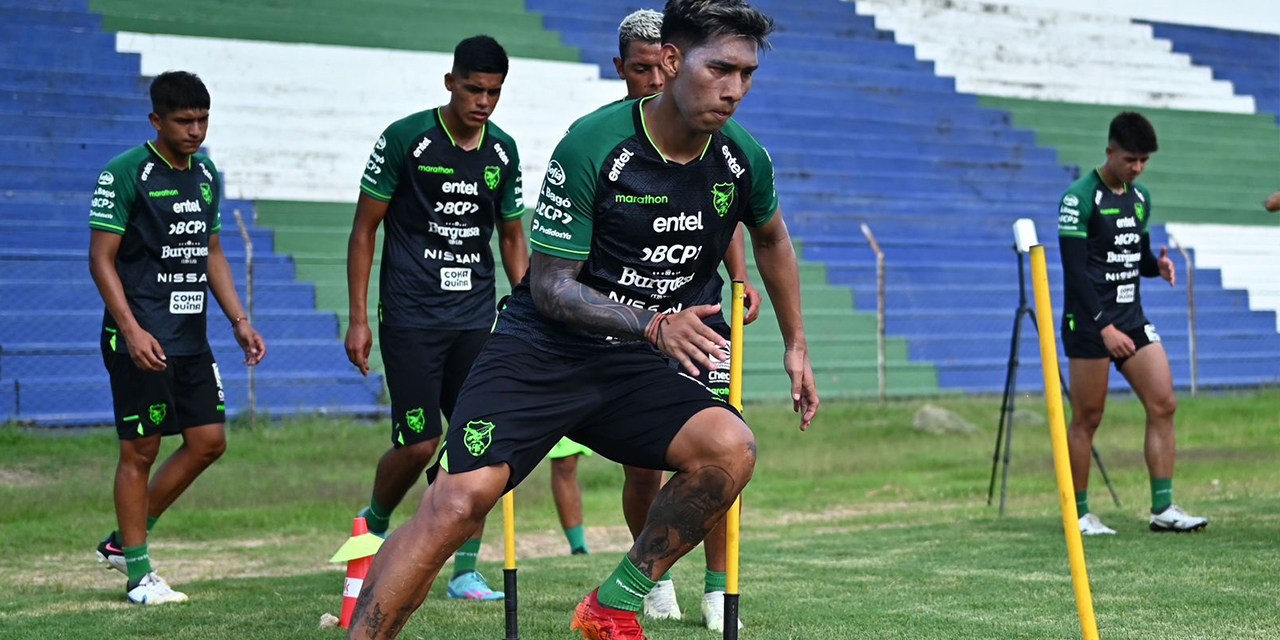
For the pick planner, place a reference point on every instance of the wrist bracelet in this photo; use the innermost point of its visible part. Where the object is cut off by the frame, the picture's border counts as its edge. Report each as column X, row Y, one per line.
column 237, row 321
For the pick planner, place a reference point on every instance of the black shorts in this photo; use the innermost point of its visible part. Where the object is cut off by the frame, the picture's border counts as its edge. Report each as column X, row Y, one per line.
column 717, row 381
column 425, row 369
column 188, row 393
column 626, row 405
column 1087, row 343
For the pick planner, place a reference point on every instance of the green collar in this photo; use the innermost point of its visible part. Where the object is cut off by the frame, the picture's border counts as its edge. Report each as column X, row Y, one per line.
column 645, row 126
column 166, row 160
column 440, row 118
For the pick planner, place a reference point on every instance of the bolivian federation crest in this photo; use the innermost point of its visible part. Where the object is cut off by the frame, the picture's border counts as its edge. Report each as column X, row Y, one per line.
column 492, row 175
column 722, row 197
column 206, row 192
column 158, row 413
column 415, row 419
column 477, row 436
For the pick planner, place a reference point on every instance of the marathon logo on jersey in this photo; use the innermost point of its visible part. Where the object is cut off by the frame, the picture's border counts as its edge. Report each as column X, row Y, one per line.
column 181, row 278
column 555, row 174
column 426, row 168
column 163, row 193
column 661, row 286
column 186, row 302
column 453, row 235
column 1121, row 276
column 646, row 199
column 187, row 206
column 548, row 231
column 502, row 153
column 106, row 179
column 733, row 162
column 455, row 279
column 188, row 227
column 671, row 253
column 618, row 163
column 146, row 170
column 449, row 256
column 681, row 222
column 1127, row 223
column 422, row 146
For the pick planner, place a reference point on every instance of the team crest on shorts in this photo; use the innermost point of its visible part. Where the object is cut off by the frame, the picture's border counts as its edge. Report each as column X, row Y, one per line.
column 477, row 436
column 206, row 192
column 415, row 419
column 158, row 413
column 492, row 175
column 722, row 197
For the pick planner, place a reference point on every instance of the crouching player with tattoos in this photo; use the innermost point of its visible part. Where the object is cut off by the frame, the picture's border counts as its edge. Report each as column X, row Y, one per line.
column 639, row 203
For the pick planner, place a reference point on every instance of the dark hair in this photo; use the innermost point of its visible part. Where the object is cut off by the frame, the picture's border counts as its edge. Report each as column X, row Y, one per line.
column 479, row 54
column 690, row 23
column 1132, row 132
column 175, row 90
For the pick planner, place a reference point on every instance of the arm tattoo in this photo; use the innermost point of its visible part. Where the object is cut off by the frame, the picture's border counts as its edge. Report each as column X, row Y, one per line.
column 559, row 296
column 685, row 511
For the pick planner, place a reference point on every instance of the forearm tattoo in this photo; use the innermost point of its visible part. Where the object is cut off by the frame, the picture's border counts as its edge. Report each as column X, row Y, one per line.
column 559, row 296
column 684, row 512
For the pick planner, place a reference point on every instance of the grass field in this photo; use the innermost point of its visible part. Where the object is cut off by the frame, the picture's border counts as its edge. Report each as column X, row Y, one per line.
column 861, row 528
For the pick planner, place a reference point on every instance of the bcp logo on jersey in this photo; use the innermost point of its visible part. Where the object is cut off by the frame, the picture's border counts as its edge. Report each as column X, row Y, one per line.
column 722, row 197
column 186, row 227
column 106, row 179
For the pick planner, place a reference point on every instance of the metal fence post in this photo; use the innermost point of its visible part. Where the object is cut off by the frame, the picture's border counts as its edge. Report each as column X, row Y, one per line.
column 248, row 301
column 880, row 347
column 1191, row 312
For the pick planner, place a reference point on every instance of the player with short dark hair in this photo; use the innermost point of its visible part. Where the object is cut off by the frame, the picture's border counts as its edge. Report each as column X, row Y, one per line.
column 439, row 181
column 639, row 204
column 154, row 253
column 1102, row 228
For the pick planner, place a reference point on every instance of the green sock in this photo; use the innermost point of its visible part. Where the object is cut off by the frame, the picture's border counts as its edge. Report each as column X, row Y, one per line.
column 138, row 562
column 577, row 539
column 1082, row 504
column 151, row 523
column 666, row 576
column 625, row 588
column 715, row 581
column 376, row 517
column 464, row 561
column 1161, row 494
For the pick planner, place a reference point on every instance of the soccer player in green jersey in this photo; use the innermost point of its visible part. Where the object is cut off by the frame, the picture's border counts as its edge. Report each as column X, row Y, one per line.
column 154, row 253
column 1106, row 250
column 439, row 182
column 639, row 204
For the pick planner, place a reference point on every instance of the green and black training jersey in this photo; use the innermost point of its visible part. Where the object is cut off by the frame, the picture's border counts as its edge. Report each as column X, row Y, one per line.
column 437, row 266
column 1114, row 229
column 651, row 232
column 165, row 216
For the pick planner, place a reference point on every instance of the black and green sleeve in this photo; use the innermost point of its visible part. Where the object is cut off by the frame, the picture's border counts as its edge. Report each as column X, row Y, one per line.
column 113, row 197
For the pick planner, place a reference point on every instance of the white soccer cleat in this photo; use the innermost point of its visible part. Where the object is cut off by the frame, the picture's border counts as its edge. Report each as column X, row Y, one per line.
column 1090, row 525
column 152, row 589
column 661, row 603
column 1173, row 518
column 713, row 611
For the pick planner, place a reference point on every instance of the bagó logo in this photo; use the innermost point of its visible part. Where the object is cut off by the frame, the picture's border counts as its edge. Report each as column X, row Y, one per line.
column 722, row 197
column 158, row 413
column 106, row 179
column 492, row 175
column 206, row 192
column 555, row 173
column 415, row 419
column 477, row 436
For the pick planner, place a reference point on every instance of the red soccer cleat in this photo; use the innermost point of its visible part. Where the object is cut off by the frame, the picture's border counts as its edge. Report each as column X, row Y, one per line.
column 598, row 622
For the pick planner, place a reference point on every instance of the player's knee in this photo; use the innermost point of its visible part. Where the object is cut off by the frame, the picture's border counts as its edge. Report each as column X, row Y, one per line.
column 140, row 454
column 1162, row 407
column 1086, row 420
column 460, row 508
column 733, row 447
column 212, row 450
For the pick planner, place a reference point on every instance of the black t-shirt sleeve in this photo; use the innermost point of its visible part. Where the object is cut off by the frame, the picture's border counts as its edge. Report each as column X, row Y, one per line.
column 1148, row 266
column 1075, row 273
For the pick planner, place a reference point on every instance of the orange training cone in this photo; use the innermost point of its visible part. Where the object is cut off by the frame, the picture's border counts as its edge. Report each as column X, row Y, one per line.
column 357, row 568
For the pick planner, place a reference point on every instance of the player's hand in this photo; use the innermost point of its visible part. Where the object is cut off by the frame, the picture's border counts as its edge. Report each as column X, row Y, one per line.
column 804, row 391
column 359, row 343
column 1272, row 203
column 1167, row 270
column 1118, row 344
column 145, row 350
column 753, row 303
column 685, row 337
column 251, row 342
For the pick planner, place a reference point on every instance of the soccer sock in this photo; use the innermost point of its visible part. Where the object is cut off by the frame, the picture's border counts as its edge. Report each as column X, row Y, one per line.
column 715, row 581
column 577, row 538
column 151, row 523
column 1161, row 494
column 376, row 517
column 1082, row 503
column 625, row 588
column 665, row 577
column 464, row 561
column 138, row 562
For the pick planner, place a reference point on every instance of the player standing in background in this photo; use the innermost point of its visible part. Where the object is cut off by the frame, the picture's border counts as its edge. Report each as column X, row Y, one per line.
column 639, row 204
column 441, row 179
column 1102, row 228
column 154, row 252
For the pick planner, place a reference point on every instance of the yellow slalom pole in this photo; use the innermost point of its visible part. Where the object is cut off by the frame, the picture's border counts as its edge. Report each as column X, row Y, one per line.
column 1058, row 434
column 509, row 565
column 733, row 519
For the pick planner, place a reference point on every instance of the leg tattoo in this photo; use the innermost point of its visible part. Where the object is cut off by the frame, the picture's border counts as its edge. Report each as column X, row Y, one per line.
column 684, row 513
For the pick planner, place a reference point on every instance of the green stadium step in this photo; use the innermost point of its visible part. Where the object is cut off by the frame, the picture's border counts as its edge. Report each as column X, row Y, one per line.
column 394, row 24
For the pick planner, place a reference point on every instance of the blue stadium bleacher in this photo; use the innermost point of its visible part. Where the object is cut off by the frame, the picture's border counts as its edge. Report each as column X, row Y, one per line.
column 68, row 103
column 1251, row 61
column 862, row 131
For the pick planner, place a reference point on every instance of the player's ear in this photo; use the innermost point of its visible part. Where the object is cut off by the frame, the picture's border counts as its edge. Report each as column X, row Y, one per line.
column 448, row 82
column 671, row 59
column 617, row 65
column 155, row 120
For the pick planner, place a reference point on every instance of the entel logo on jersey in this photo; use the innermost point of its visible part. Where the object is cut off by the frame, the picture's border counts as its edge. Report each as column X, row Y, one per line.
column 106, row 179
column 682, row 222
column 502, row 154
column 733, row 162
column 187, row 206
column 422, row 146
column 208, row 176
column 146, row 171
column 619, row 163
column 555, row 173
column 463, row 188
column 1127, row 223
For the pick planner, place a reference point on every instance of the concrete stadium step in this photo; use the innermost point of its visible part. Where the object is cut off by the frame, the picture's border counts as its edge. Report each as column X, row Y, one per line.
column 47, row 326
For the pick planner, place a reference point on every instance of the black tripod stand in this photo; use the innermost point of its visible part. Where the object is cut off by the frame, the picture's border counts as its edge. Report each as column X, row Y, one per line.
column 1005, row 429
